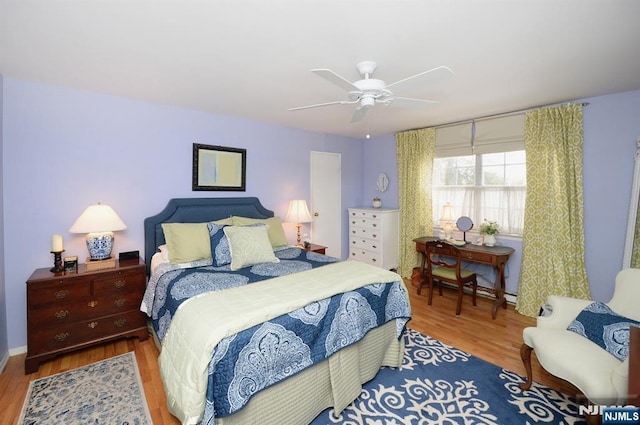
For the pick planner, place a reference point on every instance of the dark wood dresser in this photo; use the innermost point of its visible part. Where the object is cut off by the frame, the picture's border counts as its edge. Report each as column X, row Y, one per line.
column 70, row 311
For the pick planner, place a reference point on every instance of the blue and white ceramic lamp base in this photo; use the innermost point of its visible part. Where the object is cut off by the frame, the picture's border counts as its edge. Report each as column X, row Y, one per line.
column 100, row 245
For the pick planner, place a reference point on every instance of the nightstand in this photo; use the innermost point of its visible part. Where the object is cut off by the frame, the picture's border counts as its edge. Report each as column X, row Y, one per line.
column 71, row 311
column 316, row 248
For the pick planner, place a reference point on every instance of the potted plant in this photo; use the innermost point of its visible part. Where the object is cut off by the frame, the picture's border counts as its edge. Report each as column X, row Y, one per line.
column 490, row 229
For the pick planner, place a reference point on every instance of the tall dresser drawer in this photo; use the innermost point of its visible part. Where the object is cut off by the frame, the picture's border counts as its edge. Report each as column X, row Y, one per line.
column 365, row 256
column 366, row 214
column 363, row 232
column 367, row 244
column 367, row 223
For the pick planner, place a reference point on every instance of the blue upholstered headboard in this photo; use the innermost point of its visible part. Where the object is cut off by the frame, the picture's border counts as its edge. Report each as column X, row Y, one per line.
column 197, row 210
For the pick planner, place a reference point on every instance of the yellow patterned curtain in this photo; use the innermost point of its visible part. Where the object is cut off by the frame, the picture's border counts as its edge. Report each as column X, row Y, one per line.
column 553, row 239
column 415, row 153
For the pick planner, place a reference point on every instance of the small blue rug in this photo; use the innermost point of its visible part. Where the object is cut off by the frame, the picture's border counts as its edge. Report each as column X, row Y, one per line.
column 439, row 384
column 108, row 392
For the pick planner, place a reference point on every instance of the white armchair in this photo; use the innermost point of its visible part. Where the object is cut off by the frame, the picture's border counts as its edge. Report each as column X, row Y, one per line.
column 600, row 376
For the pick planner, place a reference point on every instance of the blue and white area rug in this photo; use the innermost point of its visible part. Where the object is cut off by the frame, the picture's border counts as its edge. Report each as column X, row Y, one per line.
column 106, row 392
column 439, row 384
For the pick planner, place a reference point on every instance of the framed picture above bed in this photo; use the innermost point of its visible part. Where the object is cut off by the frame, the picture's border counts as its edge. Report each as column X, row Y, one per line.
column 219, row 168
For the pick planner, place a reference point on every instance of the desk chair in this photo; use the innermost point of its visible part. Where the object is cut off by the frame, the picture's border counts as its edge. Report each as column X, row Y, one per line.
column 443, row 264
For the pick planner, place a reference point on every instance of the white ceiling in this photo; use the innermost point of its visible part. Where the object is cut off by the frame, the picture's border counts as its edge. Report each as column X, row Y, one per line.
column 251, row 58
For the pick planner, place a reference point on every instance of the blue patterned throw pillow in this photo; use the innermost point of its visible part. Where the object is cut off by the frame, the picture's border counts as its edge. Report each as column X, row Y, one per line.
column 601, row 325
column 219, row 245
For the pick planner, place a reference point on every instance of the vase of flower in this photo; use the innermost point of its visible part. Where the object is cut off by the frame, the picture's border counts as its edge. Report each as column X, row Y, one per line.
column 377, row 202
column 489, row 229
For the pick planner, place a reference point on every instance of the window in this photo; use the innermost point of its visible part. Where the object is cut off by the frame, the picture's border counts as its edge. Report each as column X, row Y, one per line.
column 480, row 169
column 489, row 186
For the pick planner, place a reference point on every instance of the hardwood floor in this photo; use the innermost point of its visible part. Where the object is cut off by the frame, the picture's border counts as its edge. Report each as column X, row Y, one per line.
column 496, row 341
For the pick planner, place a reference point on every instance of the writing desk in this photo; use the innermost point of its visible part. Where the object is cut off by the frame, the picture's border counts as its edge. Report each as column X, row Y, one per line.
column 495, row 256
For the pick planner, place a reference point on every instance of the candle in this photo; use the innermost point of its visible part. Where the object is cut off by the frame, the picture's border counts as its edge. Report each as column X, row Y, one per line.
column 56, row 243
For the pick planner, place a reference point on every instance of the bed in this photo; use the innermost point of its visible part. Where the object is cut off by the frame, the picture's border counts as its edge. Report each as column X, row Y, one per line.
column 216, row 323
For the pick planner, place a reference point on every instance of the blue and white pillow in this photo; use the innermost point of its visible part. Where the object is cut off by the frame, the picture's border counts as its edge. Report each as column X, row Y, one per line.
column 601, row 325
column 220, row 252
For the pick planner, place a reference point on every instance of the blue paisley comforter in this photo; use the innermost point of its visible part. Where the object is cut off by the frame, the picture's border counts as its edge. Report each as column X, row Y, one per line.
column 256, row 358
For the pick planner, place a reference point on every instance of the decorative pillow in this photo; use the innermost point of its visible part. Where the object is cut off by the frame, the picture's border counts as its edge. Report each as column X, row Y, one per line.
column 249, row 246
column 187, row 242
column 224, row 221
column 219, row 244
column 276, row 232
column 601, row 325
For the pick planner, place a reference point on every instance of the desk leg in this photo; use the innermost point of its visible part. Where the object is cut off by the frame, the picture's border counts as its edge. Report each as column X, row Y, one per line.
column 499, row 288
column 422, row 277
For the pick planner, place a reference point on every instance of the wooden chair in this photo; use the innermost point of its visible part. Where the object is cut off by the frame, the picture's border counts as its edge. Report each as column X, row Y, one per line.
column 444, row 265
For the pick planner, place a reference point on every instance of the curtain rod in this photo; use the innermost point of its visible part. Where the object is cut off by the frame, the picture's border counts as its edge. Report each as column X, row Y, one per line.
column 502, row 114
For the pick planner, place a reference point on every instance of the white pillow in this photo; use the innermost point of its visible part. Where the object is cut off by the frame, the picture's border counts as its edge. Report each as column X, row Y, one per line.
column 249, row 246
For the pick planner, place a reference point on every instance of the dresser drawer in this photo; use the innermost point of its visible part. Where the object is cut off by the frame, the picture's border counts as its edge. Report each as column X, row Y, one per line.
column 87, row 309
column 365, row 256
column 372, row 215
column 367, row 223
column 59, row 292
column 366, row 244
column 479, row 257
column 361, row 232
column 60, row 337
column 119, row 283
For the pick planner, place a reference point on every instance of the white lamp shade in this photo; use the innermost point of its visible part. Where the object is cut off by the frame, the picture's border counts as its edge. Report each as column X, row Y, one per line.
column 298, row 212
column 447, row 213
column 98, row 218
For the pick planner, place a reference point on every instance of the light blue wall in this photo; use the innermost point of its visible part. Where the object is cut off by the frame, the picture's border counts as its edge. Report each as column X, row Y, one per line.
column 4, row 343
column 611, row 127
column 66, row 149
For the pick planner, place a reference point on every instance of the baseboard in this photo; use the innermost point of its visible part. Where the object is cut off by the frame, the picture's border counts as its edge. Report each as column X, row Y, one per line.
column 17, row 350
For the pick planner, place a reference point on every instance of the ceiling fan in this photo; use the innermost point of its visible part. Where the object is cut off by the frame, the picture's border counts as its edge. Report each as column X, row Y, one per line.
column 368, row 91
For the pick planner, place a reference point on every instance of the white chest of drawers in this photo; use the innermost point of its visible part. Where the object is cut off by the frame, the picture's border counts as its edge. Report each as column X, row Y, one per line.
column 374, row 236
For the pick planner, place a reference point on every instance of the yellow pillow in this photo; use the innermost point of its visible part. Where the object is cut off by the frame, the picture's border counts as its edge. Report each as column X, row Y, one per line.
column 224, row 221
column 249, row 246
column 276, row 232
column 187, row 242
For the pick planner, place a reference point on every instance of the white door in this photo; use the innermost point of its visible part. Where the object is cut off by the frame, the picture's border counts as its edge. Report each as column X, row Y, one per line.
column 326, row 204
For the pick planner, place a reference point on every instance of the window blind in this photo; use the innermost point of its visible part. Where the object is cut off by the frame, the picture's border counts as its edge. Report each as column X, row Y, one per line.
column 491, row 135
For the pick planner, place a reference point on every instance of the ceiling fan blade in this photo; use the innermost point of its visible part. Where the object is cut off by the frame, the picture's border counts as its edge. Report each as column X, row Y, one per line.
column 358, row 114
column 408, row 102
column 336, row 79
column 317, row 105
column 434, row 74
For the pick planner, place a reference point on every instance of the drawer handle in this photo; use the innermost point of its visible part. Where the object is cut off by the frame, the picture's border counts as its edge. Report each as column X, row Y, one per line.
column 119, row 283
column 119, row 302
column 375, row 216
column 374, row 246
column 375, row 225
column 92, row 303
column 469, row 256
column 353, row 231
column 92, row 325
column 373, row 259
column 120, row 323
column 61, row 337
column 61, row 294
column 353, row 253
column 61, row 314
column 374, row 235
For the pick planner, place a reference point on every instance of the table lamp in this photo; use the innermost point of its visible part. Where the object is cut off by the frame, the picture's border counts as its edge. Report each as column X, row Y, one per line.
column 298, row 213
column 98, row 222
column 446, row 219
